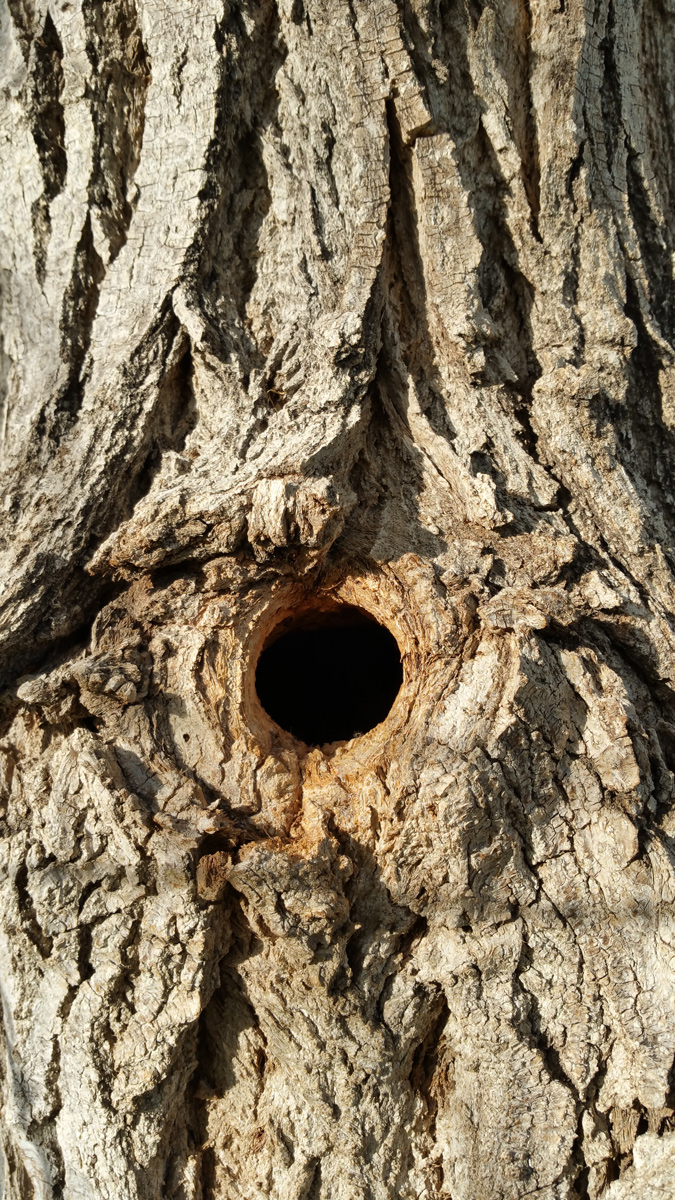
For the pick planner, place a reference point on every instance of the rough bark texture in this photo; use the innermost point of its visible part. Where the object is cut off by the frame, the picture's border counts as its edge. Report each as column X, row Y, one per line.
column 308, row 300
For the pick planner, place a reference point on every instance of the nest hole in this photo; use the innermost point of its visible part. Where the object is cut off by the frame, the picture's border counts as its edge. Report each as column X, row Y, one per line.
column 329, row 675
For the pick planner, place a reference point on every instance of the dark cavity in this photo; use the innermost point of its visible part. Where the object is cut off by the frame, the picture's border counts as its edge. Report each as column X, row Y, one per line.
column 327, row 676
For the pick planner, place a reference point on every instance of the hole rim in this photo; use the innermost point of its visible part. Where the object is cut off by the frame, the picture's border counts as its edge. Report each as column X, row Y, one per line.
column 369, row 594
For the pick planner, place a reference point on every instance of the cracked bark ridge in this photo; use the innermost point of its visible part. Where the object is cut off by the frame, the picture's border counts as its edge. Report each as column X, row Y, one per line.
column 309, row 302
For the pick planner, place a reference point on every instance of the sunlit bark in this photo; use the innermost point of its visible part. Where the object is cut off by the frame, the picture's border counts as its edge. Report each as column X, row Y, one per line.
column 310, row 302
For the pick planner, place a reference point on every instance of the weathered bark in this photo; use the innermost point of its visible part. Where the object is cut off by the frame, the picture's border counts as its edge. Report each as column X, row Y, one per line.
column 362, row 300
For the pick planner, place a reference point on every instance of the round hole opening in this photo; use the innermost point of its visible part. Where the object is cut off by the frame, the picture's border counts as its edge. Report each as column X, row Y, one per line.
column 329, row 675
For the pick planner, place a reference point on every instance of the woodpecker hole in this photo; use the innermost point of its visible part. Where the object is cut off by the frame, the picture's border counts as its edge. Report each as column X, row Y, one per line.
column 328, row 675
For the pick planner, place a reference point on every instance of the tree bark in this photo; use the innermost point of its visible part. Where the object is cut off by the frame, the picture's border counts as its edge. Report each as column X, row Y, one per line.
column 318, row 301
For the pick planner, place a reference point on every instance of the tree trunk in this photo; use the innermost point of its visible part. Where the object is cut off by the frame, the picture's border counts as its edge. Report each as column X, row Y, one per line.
column 313, row 303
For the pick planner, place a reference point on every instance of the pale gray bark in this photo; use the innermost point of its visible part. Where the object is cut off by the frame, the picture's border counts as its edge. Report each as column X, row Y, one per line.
column 371, row 300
